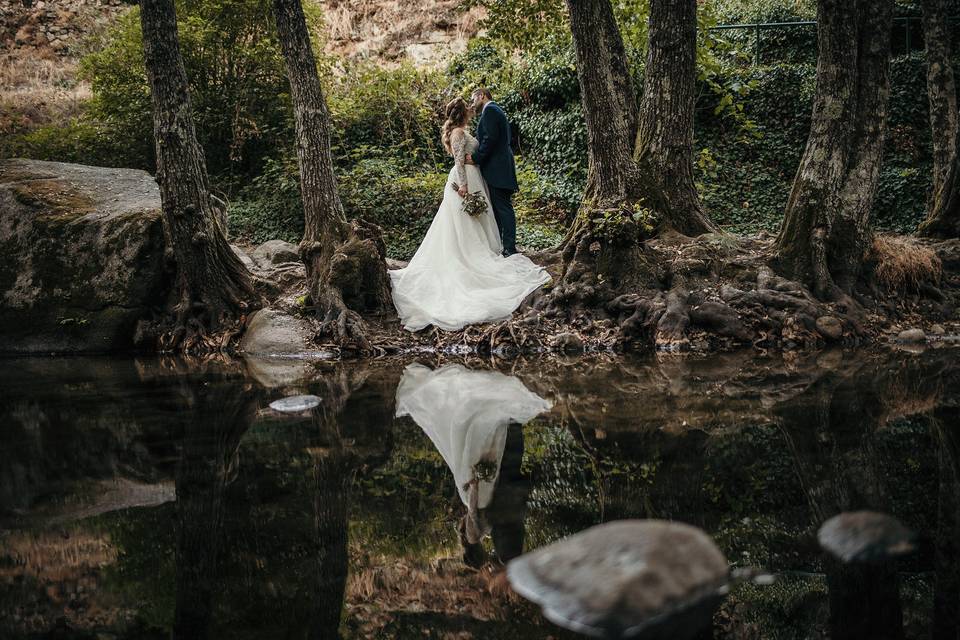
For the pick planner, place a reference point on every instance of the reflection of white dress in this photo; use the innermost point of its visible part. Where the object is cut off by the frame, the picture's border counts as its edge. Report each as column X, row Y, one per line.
column 466, row 414
column 457, row 276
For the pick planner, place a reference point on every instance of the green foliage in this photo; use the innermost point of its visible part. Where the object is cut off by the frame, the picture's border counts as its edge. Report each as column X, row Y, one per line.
column 398, row 110
column 270, row 207
column 777, row 44
column 237, row 81
column 744, row 181
column 396, row 196
column 80, row 140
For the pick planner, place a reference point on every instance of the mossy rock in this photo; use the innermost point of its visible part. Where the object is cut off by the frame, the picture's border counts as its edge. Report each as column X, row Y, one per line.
column 81, row 256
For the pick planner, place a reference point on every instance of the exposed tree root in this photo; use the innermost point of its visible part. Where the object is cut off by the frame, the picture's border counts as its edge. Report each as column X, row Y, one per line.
column 350, row 282
column 197, row 327
column 715, row 292
column 712, row 293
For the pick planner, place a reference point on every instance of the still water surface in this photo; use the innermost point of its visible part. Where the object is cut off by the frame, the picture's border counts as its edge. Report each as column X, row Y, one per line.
column 141, row 498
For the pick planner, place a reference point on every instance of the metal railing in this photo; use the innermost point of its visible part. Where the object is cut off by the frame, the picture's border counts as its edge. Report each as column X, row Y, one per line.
column 758, row 27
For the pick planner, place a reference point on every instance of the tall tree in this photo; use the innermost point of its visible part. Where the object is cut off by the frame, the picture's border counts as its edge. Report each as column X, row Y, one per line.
column 826, row 229
column 640, row 159
column 214, row 288
column 943, row 214
column 346, row 268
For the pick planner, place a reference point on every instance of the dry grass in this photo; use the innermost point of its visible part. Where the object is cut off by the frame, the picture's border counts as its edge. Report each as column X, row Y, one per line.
column 903, row 265
column 52, row 556
column 38, row 90
column 385, row 586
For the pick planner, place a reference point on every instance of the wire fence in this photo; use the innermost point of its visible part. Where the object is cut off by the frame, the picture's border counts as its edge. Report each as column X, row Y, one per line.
column 908, row 33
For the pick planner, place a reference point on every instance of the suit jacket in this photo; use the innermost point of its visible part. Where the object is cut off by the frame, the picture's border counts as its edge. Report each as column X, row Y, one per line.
column 494, row 155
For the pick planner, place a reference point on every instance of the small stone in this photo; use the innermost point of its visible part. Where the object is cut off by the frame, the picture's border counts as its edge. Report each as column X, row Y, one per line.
column 937, row 330
column 295, row 404
column 728, row 293
column 912, row 336
column 568, row 343
column 830, row 327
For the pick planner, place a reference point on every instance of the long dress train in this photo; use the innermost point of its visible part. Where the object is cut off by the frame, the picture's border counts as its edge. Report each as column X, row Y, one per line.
column 458, row 275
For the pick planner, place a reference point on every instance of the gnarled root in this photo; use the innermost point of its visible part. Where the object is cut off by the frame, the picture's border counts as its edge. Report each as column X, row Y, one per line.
column 195, row 328
column 347, row 282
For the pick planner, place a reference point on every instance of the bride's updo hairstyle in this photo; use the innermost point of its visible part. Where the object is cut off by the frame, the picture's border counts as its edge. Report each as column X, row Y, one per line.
column 456, row 112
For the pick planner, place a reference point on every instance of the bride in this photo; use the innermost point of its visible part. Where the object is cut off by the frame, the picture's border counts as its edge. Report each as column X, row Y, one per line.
column 458, row 275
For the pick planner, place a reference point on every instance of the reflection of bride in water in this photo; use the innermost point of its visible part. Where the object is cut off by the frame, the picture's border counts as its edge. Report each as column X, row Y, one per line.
column 472, row 417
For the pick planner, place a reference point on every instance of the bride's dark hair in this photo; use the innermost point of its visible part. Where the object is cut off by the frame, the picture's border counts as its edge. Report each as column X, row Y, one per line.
column 456, row 112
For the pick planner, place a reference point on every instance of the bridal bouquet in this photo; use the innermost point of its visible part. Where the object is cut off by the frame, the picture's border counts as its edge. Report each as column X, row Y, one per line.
column 485, row 470
column 473, row 203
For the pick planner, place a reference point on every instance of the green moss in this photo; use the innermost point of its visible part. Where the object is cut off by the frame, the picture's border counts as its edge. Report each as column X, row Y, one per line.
column 57, row 203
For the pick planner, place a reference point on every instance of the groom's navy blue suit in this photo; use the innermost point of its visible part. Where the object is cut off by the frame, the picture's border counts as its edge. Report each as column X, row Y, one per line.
column 495, row 159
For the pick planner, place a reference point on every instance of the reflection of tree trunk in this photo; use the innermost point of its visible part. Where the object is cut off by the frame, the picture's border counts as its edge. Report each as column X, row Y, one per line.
column 946, row 596
column 217, row 419
column 830, row 429
column 334, row 476
column 358, row 407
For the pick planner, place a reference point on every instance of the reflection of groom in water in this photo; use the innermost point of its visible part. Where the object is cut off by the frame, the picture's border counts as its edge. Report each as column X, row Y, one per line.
column 504, row 516
column 495, row 159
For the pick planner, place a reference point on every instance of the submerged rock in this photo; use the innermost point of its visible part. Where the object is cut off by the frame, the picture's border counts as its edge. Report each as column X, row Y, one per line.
column 865, row 536
column 295, row 404
column 567, row 343
column 81, row 256
column 626, row 579
column 912, row 336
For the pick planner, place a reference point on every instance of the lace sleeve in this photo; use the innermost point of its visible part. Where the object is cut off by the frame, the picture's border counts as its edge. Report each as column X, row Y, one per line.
column 458, row 145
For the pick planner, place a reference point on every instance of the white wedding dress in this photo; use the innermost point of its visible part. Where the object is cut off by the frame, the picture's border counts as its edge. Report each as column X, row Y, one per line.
column 458, row 275
column 466, row 414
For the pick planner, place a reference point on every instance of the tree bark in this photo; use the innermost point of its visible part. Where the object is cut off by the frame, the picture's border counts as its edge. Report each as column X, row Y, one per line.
column 664, row 145
column 346, row 268
column 943, row 214
column 826, row 226
column 214, row 288
column 640, row 175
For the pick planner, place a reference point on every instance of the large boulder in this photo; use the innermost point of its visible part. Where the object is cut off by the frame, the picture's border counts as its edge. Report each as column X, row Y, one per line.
column 81, row 256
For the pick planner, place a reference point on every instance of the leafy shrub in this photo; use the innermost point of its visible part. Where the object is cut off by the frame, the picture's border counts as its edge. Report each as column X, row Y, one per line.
column 79, row 140
column 270, row 207
column 237, row 78
column 398, row 110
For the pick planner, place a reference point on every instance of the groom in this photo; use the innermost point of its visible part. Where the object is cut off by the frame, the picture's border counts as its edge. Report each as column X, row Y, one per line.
column 495, row 159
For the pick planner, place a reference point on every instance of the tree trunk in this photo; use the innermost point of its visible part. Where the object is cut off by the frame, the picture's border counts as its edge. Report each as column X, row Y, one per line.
column 943, row 215
column 664, row 145
column 640, row 176
column 346, row 268
column 214, row 288
column 826, row 231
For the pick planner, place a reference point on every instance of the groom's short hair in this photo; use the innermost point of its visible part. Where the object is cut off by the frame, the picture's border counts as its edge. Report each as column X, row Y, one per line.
column 483, row 91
